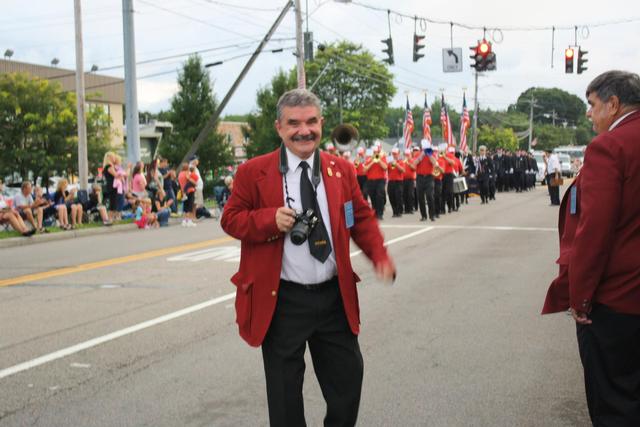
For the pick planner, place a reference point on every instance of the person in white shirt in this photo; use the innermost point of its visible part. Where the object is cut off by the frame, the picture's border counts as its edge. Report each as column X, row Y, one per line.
column 26, row 207
column 199, row 197
column 553, row 172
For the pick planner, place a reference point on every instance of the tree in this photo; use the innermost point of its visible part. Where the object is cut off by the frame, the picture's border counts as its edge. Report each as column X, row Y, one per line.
column 499, row 137
column 190, row 109
column 355, row 88
column 567, row 107
column 38, row 128
column 261, row 133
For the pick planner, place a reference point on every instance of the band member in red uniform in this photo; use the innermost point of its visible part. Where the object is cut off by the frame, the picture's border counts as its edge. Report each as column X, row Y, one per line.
column 424, row 183
column 376, row 169
column 438, row 175
column 447, row 182
column 358, row 162
column 295, row 285
column 396, row 172
column 409, row 183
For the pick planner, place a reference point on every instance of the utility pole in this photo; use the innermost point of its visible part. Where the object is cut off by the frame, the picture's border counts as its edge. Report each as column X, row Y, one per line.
column 83, row 168
column 133, row 135
column 475, row 114
column 299, row 46
column 531, row 104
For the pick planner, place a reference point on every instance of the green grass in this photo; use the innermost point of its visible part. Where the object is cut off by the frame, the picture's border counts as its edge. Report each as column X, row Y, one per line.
column 12, row 233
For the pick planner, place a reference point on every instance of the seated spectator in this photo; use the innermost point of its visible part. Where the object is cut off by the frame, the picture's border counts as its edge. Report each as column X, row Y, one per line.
column 65, row 204
column 144, row 218
column 95, row 205
column 9, row 216
column 42, row 200
column 25, row 205
column 162, row 207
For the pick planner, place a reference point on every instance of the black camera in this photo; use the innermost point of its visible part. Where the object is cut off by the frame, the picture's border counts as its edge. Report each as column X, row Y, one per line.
column 305, row 223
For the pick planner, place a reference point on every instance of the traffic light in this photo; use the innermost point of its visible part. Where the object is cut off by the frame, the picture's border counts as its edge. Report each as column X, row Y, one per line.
column 417, row 46
column 388, row 51
column 308, row 46
column 581, row 60
column 484, row 57
column 568, row 60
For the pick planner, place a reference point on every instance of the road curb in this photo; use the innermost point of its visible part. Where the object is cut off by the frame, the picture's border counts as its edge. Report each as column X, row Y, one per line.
column 71, row 234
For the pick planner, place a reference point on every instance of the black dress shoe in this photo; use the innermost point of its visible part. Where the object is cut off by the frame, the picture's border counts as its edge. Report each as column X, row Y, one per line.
column 424, row 218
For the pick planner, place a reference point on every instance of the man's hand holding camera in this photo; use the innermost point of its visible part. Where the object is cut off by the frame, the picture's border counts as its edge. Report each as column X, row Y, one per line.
column 285, row 219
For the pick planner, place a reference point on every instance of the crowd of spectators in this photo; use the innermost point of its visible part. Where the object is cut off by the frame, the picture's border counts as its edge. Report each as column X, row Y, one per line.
column 149, row 194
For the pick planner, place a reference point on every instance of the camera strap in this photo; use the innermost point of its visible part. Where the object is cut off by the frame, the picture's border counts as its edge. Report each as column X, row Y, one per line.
column 284, row 168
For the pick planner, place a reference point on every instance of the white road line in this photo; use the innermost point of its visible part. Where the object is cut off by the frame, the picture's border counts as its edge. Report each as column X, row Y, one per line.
column 473, row 227
column 112, row 336
column 149, row 323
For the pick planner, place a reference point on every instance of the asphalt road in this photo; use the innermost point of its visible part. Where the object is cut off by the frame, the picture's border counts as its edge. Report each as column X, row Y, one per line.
column 137, row 328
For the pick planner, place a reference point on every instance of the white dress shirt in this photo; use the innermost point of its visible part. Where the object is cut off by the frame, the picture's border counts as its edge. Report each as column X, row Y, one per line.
column 617, row 122
column 553, row 164
column 298, row 265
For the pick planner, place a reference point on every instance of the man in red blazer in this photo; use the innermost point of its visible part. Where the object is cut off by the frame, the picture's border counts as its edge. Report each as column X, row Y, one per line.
column 291, row 293
column 599, row 278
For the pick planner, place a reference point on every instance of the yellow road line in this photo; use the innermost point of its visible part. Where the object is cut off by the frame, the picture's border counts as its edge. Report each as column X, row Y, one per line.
column 110, row 262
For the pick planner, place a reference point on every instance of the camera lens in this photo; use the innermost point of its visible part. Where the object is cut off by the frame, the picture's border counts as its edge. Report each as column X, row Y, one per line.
column 299, row 233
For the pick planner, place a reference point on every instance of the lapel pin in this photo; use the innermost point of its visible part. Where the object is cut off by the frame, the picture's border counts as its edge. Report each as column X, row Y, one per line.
column 329, row 172
column 332, row 163
column 338, row 174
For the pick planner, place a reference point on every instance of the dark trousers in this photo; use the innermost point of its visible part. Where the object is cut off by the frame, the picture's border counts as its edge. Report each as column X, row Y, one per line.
column 492, row 187
column 483, row 184
column 394, row 189
column 425, row 188
column 518, row 178
column 554, row 191
column 438, row 201
column 408, row 193
column 362, row 182
column 610, row 354
column 375, row 189
column 315, row 317
column 447, row 191
column 501, row 182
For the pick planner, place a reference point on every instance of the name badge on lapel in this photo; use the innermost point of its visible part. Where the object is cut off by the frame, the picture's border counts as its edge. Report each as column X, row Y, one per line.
column 348, row 214
column 573, row 200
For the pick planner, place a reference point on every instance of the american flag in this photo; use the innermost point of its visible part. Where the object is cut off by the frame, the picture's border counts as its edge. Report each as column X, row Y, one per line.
column 465, row 122
column 447, row 135
column 426, row 121
column 408, row 127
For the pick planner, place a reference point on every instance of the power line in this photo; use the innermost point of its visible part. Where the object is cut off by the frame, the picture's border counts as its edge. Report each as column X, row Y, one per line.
column 501, row 27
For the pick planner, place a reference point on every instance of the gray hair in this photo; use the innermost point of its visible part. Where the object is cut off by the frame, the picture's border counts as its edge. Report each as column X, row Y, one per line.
column 624, row 85
column 298, row 98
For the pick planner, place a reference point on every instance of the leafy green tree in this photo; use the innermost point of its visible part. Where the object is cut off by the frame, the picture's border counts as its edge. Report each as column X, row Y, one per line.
column 190, row 109
column 39, row 128
column 261, row 134
column 355, row 88
column 567, row 107
column 499, row 137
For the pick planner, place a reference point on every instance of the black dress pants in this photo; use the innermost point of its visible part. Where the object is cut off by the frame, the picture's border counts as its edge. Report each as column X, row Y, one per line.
column 554, row 191
column 610, row 353
column 408, row 193
column 447, row 191
column 483, row 184
column 362, row 182
column 375, row 189
column 438, row 201
column 424, row 186
column 315, row 317
column 394, row 189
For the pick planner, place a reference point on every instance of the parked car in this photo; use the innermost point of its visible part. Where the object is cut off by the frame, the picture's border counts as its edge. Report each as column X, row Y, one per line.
column 565, row 165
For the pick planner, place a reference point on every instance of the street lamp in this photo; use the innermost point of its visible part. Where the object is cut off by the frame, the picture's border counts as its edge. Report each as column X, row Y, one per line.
column 94, row 68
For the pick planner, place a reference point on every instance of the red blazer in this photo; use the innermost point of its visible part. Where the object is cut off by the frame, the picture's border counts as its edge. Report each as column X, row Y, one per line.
column 600, row 244
column 249, row 216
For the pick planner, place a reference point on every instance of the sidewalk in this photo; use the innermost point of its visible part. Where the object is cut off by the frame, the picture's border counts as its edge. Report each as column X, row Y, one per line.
column 71, row 234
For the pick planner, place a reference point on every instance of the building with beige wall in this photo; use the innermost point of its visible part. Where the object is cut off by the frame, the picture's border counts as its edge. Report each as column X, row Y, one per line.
column 233, row 135
column 100, row 91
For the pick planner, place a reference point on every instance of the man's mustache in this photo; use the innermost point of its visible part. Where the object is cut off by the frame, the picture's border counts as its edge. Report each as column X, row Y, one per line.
column 310, row 137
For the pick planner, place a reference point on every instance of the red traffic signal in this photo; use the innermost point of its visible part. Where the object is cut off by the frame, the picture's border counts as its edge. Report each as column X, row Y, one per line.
column 568, row 60
column 484, row 48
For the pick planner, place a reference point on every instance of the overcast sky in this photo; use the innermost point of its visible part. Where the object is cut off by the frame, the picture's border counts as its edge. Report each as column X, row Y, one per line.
column 40, row 30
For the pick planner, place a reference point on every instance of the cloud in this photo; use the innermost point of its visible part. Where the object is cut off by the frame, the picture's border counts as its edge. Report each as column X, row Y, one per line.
column 155, row 95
